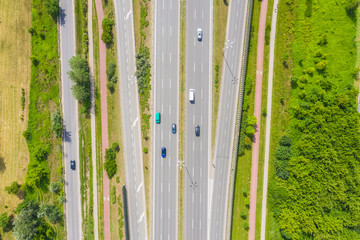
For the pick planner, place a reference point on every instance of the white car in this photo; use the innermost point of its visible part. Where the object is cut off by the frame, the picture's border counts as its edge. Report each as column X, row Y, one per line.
column 199, row 34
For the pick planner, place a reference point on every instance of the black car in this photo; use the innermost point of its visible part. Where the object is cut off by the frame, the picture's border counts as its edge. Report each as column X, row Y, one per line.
column 72, row 164
column 197, row 131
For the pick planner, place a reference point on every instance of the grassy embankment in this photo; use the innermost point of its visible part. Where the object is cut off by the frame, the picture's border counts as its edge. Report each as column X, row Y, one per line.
column 181, row 118
column 315, row 105
column 115, row 134
column 220, row 21
column 142, row 10
column 243, row 171
column 85, row 153
column 98, row 135
column 45, row 150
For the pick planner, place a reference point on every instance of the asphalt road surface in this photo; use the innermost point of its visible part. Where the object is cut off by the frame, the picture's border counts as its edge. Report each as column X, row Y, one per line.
column 70, row 114
column 130, row 119
column 166, row 97
column 220, row 172
column 197, row 113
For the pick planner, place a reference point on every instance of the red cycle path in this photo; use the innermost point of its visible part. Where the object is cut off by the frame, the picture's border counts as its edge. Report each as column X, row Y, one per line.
column 104, row 119
column 257, row 113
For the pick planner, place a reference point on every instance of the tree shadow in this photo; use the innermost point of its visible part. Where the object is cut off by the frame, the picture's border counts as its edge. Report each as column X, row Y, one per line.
column 226, row 3
column 62, row 17
column 2, row 165
column 67, row 136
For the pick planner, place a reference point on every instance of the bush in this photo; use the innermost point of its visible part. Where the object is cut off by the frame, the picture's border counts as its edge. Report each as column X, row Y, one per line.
column 283, row 153
column 243, row 215
column 52, row 7
column 41, row 153
column 107, row 25
column 115, row 146
column 111, row 87
column 247, row 203
column 246, row 226
column 145, row 150
column 321, row 66
column 14, row 188
column 251, row 121
column 285, row 141
column 110, row 162
column 57, row 124
column 113, row 195
column 55, row 187
column 110, row 70
column 5, row 222
column 267, row 34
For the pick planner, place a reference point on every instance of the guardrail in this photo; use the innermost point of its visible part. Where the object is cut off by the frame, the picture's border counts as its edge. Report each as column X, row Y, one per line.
column 238, row 119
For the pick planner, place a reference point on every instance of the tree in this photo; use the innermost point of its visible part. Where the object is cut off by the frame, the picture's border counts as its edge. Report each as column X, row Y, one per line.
column 52, row 7
column 107, row 25
column 283, row 153
column 57, row 123
column 40, row 153
column 5, row 222
column 81, row 78
column 110, row 162
column 110, row 70
column 251, row 121
column 250, row 131
column 14, row 188
column 285, row 141
column 52, row 212
column 55, row 187
column 36, row 175
column 27, row 222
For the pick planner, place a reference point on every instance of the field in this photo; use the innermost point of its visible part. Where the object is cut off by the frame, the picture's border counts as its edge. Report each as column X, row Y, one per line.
column 314, row 70
column 15, row 19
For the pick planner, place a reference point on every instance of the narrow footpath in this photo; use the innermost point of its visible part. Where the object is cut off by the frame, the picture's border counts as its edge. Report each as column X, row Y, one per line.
column 92, row 115
column 104, row 119
column 257, row 113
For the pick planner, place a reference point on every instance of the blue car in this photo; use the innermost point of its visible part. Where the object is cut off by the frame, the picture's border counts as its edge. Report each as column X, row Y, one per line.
column 163, row 152
column 173, row 128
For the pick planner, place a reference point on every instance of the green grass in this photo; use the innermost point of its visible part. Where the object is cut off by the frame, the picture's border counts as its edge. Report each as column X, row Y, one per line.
column 243, row 169
column 301, row 28
column 44, row 100
column 182, row 118
column 220, row 21
column 98, row 134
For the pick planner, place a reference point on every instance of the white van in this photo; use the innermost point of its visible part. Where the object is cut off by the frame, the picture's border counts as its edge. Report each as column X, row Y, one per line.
column 192, row 95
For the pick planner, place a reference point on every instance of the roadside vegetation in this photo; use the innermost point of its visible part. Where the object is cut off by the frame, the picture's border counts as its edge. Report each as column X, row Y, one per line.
column 241, row 201
column 220, row 21
column 142, row 10
column 41, row 211
column 313, row 189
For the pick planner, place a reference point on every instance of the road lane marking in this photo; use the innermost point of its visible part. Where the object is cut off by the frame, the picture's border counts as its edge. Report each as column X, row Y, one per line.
column 161, row 186
column 194, row 66
column 202, row 14
column 193, row 119
column 169, row 109
column 163, row 5
column 127, row 15
column 194, row 14
column 202, row 65
column 162, row 57
column 170, row 56
column 170, row 30
column 162, row 30
column 193, row 146
column 170, row 83
column 139, row 187
column 135, row 122
column 162, row 136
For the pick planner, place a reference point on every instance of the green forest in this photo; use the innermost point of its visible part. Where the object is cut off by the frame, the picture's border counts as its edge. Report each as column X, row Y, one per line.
column 315, row 190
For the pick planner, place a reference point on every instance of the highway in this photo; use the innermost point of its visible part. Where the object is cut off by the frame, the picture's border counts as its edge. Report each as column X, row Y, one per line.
column 130, row 119
column 166, row 102
column 220, row 170
column 198, row 112
column 71, row 124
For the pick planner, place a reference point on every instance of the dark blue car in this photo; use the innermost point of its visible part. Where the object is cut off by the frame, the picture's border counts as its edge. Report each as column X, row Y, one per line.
column 173, row 128
column 163, row 152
